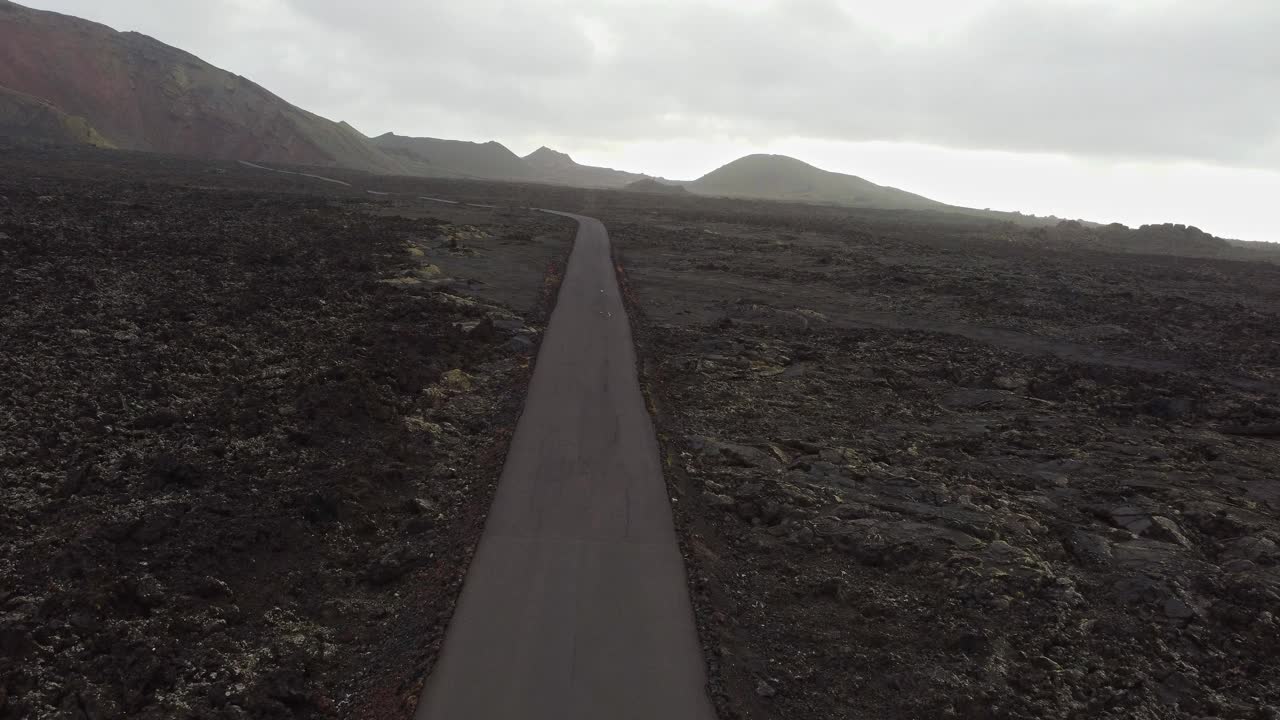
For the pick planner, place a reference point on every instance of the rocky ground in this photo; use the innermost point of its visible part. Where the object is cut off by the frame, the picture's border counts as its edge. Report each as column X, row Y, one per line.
column 923, row 467
column 919, row 479
column 249, row 429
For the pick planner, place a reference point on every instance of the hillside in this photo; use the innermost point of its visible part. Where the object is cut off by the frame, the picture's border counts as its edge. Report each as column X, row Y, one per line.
column 489, row 161
column 778, row 177
column 141, row 94
column 649, row 185
column 1166, row 239
column 557, row 167
column 68, row 80
column 24, row 116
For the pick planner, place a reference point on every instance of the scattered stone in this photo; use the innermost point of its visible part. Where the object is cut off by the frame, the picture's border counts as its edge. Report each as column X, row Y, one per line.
column 1175, row 688
column 204, row 393
column 1178, row 609
column 765, row 690
column 146, row 590
column 976, row 398
column 1171, row 408
column 1148, row 555
column 1090, row 549
column 745, row 456
column 457, row 380
column 443, row 471
column 15, row 642
column 1088, row 509
column 481, row 331
column 157, row 420
column 1162, row 528
column 520, row 343
column 211, row 587
column 422, row 506
column 833, row 588
column 1100, row 332
column 1240, row 566
column 1135, row 520
column 391, row 566
column 426, row 427
column 508, row 323
column 737, row 455
column 153, row 529
column 722, row 502
column 1049, row 478
column 1252, row 549
column 1010, row 382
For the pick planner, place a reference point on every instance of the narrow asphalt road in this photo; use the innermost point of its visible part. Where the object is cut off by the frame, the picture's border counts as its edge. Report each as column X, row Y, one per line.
column 576, row 605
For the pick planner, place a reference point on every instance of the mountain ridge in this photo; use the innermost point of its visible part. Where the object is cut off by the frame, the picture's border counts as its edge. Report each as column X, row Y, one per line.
column 458, row 158
column 560, row 168
column 141, row 94
column 73, row 80
column 785, row 177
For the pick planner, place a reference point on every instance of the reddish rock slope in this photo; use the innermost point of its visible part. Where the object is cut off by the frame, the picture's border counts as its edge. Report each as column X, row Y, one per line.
column 24, row 116
column 141, row 94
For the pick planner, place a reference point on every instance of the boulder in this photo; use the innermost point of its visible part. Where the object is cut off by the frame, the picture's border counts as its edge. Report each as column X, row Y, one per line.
column 1258, row 550
column 1089, row 549
column 456, row 380
column 1010, row 382
column 722, row 502
column 734, row 455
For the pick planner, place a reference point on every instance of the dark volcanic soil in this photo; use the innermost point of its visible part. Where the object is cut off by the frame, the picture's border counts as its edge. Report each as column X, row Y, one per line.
column 893, row 510
column 923, row 467
column 247, row 437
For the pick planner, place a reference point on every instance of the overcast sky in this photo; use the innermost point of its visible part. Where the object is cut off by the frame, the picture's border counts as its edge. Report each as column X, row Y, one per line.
column 1136, row 111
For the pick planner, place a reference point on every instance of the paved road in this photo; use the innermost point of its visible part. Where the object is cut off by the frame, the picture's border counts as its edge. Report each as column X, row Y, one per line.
column 576, row 605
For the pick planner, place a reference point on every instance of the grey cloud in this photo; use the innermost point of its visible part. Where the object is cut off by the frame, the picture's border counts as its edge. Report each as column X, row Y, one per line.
column 1171, row 80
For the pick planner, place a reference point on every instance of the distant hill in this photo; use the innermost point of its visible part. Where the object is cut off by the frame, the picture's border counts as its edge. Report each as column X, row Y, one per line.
column 24, row 116
column 559, row 168
column 140, row 94
column 778, row 177
column 68, row 80
column 489, row 161
column 1166, row 239
column 649, row 185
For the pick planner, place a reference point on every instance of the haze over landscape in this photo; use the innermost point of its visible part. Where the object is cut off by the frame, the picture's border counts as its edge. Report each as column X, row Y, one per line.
column 1157, row 111
column 634, row 359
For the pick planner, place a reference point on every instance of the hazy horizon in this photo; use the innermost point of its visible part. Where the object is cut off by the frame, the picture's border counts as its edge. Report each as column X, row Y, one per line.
column 1160, row 111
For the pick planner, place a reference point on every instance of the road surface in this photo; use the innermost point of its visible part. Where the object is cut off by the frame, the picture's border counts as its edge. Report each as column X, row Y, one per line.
column 576, row 605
